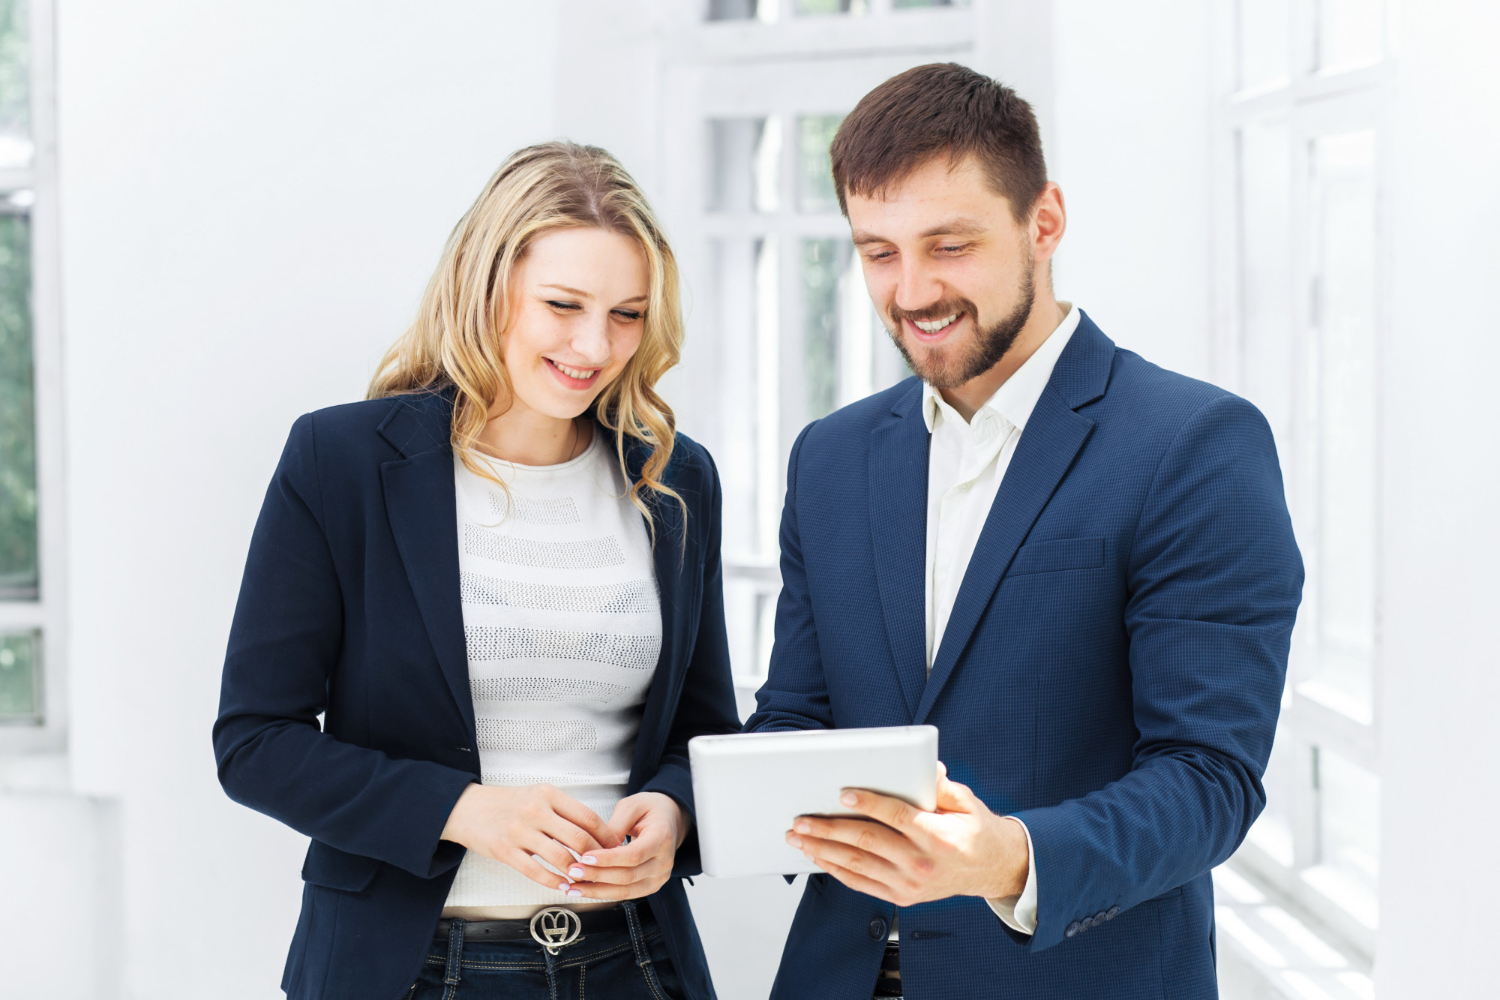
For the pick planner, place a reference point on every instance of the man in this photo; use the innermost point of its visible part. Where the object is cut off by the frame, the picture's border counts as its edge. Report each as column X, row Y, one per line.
column 1076, row 565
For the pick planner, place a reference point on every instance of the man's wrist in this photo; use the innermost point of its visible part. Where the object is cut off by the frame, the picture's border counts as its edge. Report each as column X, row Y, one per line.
column 1010, row 873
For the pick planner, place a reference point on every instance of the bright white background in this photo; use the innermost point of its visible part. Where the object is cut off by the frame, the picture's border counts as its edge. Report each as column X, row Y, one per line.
column 253, row 195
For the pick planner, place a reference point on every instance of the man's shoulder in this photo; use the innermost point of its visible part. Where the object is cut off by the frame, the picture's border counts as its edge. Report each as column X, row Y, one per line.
column 856, row 420
column 1157, row 399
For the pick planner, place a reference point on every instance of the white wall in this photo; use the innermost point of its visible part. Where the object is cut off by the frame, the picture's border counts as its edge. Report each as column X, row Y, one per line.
column 1440, row 761
column 1130, row 149
column 253, row 197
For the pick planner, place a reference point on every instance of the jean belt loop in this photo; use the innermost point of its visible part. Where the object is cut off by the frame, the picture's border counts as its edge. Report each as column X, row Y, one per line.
column 637, row 933
column 455, row 951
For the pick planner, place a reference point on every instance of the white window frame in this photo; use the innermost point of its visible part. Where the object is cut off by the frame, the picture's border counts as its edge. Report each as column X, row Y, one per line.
column 46, row 613
column 1312, row 103
column 780, row 64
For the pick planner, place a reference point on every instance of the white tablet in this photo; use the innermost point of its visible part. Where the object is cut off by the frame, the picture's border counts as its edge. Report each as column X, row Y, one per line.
column 747, row 788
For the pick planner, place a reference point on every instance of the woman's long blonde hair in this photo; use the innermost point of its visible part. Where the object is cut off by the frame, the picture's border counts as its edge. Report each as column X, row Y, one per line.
column 455, row 340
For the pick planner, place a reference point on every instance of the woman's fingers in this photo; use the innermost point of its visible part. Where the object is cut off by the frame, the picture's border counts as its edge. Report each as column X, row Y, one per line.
column 528, row 866
column 584, row 818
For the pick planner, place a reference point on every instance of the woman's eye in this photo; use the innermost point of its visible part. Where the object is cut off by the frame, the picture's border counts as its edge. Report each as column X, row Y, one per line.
column 628, row 315
column 565, row 306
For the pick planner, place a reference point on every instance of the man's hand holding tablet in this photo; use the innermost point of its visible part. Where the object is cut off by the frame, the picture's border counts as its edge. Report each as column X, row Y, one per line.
column 910, row 855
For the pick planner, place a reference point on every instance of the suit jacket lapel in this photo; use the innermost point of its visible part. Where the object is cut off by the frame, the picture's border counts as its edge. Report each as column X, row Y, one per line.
column 1053, row 436
column 678, row 582
column 898, row 535
column 423, row 512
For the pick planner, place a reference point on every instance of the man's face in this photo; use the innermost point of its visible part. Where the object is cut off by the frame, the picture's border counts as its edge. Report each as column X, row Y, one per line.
column 949, row 269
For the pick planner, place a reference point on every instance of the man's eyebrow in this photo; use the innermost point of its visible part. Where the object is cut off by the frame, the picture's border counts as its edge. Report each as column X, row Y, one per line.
column 951, row 227
column 955, row 227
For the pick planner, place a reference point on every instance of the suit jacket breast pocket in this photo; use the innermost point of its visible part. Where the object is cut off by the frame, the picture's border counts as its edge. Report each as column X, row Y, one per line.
column 1058, row 554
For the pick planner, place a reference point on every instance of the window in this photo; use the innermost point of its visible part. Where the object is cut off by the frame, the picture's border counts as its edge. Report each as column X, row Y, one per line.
column 30, row 717
column 776, row 294
column 1301, row 138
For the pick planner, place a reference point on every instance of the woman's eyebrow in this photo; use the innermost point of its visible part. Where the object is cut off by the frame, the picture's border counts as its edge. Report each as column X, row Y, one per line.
column 571, row 291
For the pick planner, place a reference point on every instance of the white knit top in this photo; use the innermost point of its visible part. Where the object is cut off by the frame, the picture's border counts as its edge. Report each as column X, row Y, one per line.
column 563, row 625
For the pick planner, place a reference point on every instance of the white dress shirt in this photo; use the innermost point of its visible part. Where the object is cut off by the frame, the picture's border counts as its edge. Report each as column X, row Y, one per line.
column 966, row 461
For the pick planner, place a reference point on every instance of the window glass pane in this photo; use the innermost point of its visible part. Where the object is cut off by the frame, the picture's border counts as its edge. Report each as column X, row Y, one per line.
column 18, row 663
column 832, row 6
column 18, row 538
column 821, row 269
column 1348, row 835
column 768, row 457
column 744, row 157
column 733, row 10
column 1266, row 312
column 815, row 191
column 1343, row 192
column 1350, row 33
column 1265, row 42
column 15, row 86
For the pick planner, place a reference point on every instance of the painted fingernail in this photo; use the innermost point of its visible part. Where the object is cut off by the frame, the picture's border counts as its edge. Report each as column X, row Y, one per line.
column 563, row 886
column 589, row 859
column 802, row 826
column 795, row 841
column 575, row 873
column 574, row 892
column 849, row 798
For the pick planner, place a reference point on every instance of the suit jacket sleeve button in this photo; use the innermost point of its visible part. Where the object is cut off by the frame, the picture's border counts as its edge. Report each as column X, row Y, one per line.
column 1100, row 917
column 1073, row 928
column 877, row 928
column 1114, row 911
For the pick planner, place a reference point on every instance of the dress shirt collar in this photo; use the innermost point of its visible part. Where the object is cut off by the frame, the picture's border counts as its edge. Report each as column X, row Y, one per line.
column 1014, row 400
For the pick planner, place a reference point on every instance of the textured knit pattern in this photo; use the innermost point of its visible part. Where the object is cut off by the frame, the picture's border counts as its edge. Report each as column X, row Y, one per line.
column 562, row 624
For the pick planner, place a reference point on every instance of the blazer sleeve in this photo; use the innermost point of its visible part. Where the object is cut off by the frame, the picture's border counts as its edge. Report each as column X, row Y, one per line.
column 284, row 645
column 795, row 694
column 1214, row 578
column 706, row 705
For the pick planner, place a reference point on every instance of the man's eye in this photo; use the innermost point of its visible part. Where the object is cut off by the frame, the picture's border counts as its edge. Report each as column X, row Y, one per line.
column 954, row 248
column 882, row 254
column 565, row 306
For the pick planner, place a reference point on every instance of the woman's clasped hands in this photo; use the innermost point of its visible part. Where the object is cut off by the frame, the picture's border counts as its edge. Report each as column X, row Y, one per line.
column 519, row 825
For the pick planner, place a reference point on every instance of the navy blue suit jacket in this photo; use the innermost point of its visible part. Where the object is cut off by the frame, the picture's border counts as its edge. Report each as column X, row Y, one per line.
column 350, row 608
column 1111, row 672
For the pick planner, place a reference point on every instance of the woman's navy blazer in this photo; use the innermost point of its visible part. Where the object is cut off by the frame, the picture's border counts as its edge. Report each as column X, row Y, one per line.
column 350, row 610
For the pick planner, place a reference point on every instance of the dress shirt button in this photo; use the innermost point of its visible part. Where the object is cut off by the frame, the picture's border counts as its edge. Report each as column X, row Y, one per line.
column 1073, row 928
column 1114, row 911
column 877, row 928
column 963, row 487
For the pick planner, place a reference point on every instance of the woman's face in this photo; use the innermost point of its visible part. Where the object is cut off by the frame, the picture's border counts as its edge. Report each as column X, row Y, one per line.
column 578, row 306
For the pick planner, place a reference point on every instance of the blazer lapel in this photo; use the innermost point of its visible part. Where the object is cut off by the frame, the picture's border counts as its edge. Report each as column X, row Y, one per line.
column 1053, row 436
column 898, row 535
column 423, row 512
column 678, row 578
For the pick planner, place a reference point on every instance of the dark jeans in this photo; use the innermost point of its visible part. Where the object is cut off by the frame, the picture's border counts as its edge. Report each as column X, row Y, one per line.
column 620, row 965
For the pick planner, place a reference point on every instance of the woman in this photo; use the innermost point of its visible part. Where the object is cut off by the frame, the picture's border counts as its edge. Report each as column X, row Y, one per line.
column 498, row 581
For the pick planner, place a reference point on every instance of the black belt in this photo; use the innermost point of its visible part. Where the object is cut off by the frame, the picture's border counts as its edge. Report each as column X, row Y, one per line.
column 593, row 922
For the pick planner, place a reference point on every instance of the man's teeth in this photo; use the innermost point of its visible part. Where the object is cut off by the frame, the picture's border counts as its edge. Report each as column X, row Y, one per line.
column 578, row 373
column 934, row 325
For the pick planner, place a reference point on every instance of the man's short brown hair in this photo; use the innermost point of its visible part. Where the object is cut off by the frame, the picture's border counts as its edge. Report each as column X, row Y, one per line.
column 937, row 110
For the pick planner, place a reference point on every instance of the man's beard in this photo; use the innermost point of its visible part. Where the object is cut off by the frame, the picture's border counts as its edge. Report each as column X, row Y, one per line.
column 976, row 358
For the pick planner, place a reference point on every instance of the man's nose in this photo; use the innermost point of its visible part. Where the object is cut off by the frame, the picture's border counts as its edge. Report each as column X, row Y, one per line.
column 917, row 287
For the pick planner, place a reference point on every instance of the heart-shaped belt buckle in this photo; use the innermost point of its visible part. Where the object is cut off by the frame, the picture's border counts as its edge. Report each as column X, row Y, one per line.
column 556, row 927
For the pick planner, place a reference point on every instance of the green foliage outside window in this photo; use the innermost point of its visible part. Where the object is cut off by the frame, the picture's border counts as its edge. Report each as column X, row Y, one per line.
column 18, row 536
column 18, row 676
